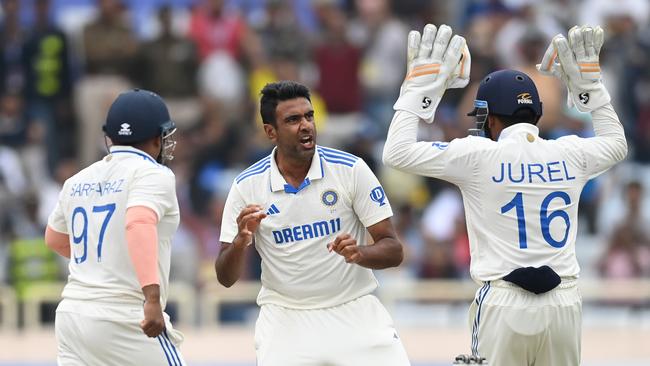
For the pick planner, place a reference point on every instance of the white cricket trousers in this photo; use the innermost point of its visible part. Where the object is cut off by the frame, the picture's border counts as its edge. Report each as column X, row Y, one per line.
column 104, row 337
column 514, row 327
column 357, row 333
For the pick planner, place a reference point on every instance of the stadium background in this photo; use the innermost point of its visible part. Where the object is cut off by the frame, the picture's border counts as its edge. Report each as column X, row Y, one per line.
column 64, row 61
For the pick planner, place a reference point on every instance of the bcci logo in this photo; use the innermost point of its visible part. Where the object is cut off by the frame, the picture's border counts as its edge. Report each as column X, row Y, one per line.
column 426, row 102
column 329, row 198
column 584, row 98
column 125, row 130
column 377, row 195
column 524, row 98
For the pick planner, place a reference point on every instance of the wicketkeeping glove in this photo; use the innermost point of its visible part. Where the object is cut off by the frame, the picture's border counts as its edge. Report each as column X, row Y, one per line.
column 578, row 67
column 436, row 62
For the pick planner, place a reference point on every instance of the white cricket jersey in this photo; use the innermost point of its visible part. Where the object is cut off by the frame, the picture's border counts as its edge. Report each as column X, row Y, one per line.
column 520, row 193
column 339, row 195
column 92, row 209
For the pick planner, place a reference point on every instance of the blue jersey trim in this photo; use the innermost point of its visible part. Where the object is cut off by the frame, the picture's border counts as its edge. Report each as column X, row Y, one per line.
column 257, row 164
column 334, row 161
column 288, row 188
column 256, row 171
column 144, row 156
column 348, row 158
column 322, row 169
column 337, row 157
column 339, row 153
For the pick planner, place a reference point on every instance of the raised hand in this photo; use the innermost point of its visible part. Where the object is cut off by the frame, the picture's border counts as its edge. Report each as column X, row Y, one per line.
column 576, row 62
column 436, row 61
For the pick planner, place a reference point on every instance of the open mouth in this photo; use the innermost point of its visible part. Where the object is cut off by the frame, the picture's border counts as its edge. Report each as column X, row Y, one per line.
column 307, row 142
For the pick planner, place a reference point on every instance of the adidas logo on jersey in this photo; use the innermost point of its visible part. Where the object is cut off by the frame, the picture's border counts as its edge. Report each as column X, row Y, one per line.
column 273, row 210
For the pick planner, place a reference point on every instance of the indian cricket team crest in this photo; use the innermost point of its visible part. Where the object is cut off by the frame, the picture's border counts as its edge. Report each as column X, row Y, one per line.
column 329, row 198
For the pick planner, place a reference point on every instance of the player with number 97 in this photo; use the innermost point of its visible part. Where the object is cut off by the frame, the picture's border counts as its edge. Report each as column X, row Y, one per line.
column 115, row 220
column 520, row 191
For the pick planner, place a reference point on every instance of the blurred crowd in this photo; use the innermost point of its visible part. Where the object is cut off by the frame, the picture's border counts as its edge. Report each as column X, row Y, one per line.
column 63, row 62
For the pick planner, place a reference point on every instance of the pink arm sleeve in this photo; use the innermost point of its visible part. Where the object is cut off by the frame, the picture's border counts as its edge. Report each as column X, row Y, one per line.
column 58, row 242
column 142, row 243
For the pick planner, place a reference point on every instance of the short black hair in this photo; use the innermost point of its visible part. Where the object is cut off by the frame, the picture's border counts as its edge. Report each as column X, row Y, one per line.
column 273, row 93
column 522, row 115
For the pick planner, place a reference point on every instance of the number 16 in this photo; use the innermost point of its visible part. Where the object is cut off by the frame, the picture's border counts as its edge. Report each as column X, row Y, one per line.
column 545, row 219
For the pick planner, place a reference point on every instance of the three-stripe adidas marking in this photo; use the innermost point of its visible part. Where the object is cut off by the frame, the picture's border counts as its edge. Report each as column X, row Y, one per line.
column 273, row 210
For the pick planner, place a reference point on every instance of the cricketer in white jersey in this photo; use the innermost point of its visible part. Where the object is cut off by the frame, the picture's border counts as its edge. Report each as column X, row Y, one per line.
column 520, row 192
column 115, row 220
column 313, row 212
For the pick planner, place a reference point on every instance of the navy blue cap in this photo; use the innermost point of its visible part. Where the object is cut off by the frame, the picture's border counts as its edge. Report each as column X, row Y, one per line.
column 135, row 116
column 507, row 91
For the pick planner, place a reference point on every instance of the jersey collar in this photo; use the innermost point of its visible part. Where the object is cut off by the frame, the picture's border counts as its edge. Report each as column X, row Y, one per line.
column 130, row 150
column 518, row 128
column 278, row 183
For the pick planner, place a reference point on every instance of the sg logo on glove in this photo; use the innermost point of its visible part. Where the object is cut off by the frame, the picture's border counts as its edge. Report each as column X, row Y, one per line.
column 436, row 60
column 426, row 102
column 584, row 98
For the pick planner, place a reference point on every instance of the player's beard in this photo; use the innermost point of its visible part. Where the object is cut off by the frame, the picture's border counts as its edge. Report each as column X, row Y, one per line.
column 297, row 151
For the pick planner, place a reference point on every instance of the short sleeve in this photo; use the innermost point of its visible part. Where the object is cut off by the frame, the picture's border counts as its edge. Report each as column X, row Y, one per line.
column 369, row 199
column 56, row 221
column 153, row 188
column 234, row 204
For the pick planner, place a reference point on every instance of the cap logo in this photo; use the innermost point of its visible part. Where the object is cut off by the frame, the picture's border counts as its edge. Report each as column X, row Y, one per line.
column 524, row 98
column 125, row 130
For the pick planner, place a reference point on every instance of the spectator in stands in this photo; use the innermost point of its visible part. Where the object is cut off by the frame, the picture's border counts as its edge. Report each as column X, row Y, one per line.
column 627, row 55
column 339, row 83
column 524, row 15
column 530, row 48
column 48, row 82
column 168, row 65
column 215, row 29
column 280, row 32
column 338, row 61
column 381, row 35
column 628, row 253
column 621, row 257
column 11, row 41
column 13, row 124
column 109, row 46
column 443, row 230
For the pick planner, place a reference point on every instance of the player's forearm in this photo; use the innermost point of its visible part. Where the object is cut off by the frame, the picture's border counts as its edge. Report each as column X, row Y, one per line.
column 384, row 253
column 229, row 265
column 402, row 133
column 402, row 151
column 58, row 242
column 607, row 125
column 151, row 293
